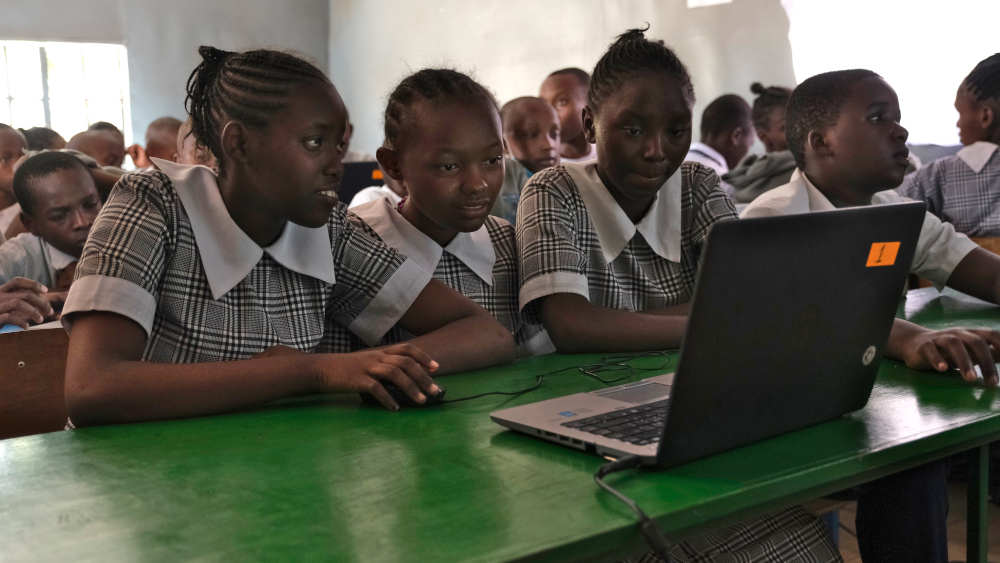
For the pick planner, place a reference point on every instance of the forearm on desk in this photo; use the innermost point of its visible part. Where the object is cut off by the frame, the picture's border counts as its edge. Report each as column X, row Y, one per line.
column 978, row 275
column 575, row 325
column 106, row 382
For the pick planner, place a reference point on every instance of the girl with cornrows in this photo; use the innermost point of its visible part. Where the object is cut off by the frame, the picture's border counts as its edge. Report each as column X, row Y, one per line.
column 609, row 251
column 186, row 267
column 757, row 174
column 444, row 144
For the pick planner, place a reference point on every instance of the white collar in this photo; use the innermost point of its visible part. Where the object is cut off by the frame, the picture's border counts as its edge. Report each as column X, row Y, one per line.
column 474, row 249
column 977, row 154
column 661, row 226
column 227, row 253
column 710, row 153
column 806, row 197
column 57, row 258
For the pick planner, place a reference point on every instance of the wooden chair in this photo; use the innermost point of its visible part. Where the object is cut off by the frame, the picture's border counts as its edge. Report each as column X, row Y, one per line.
column 991, row 244
column 32, row 371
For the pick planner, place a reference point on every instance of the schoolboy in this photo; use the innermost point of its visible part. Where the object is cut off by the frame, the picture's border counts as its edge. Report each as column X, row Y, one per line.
column 103, row 145
column 964, row 189
column 161, row 142
column 12, row 146
column 40, row 138
column 566, row 91
column 531, row 132
column 843, row 129
column 726, row 135
column 59, row 202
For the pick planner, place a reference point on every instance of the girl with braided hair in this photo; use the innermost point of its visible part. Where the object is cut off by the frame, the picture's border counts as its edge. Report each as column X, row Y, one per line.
column 757, row 174
column 254, row 278
column 964, row 189
column 609, row 251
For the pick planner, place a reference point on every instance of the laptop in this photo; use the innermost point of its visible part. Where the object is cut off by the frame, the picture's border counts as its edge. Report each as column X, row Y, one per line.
column 357, row 176
column 787, row 326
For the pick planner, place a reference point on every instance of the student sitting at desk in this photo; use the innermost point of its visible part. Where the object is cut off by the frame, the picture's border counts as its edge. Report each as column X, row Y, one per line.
column 757, row 174
column 843, row 128
column 443, row 144
column 186, row 267
column 964, row 189
column 59, row 202
column 609, row 249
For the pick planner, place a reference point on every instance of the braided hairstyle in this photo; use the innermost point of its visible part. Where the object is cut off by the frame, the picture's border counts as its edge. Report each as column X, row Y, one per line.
column 437, row 85
column 249, row 87
column 815, row 104
column 768, row 98
column 984, row 80
column 630, row 54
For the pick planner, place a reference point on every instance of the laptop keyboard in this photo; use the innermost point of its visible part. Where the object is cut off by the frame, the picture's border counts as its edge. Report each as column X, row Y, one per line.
column 640, row 425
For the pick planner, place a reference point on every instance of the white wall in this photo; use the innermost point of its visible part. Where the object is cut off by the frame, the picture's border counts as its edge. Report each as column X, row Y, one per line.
column 511, row 45
column 162, row 37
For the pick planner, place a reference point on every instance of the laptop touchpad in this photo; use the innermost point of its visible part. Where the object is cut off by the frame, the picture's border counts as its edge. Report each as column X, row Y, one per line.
column 639, row 393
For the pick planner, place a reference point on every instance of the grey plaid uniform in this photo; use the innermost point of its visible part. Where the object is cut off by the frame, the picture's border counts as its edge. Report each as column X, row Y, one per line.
column 555, row 235
column 144, row 236
column 956, row 193
column 500, row 299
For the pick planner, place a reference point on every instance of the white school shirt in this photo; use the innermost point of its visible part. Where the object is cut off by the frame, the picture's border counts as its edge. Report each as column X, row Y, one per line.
column 589, row 157
column 28, row 256
column 939, row 247
column 704, row 154
column 7, row 216
column 373, row 193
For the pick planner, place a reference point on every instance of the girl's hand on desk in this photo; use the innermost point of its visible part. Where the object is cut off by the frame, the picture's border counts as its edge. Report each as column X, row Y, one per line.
column 958, row 348
column 404, row 365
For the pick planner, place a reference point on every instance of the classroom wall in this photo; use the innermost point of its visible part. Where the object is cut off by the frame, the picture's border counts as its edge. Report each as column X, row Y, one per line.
column 162, row 37
column 511, row 45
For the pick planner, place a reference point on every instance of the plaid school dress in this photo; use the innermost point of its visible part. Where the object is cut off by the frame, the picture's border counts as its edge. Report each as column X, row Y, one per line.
column 561, row 252
column 163, row 253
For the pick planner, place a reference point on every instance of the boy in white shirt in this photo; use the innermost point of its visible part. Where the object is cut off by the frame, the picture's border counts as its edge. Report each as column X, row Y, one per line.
column 566, row 91
column 726, row 135
column 59, row 202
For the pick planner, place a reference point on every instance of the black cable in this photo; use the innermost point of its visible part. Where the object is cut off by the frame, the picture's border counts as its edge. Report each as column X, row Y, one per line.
column 607, row 363
column 650, row 532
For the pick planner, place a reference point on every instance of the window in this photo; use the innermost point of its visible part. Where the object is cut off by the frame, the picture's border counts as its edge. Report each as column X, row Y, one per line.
column 64, row 86
column 922, row 49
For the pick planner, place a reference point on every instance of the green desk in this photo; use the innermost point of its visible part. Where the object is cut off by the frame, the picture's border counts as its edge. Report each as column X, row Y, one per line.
column 327, row 479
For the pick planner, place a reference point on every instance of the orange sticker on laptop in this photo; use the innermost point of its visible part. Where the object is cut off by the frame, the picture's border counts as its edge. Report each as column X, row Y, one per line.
column 882, row 254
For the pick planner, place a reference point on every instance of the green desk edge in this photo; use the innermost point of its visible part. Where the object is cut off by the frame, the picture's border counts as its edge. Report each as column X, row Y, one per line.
column 325, row 478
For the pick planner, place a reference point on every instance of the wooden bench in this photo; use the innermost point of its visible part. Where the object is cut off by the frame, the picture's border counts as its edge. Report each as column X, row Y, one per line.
column 32, row 372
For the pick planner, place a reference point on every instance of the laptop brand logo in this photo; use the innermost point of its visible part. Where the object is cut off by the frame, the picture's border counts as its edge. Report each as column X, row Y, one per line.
column 882, row 254
column 567, row 413
column 868, row 356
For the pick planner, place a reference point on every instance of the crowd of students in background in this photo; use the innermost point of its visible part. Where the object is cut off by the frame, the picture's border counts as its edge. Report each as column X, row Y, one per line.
column 572, row 221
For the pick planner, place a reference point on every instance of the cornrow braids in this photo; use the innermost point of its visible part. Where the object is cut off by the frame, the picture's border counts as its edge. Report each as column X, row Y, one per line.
column 432, row 84
column 984, row 80
column 815, row 104
column 630, row 54
column 767, row 99
column 249, row 87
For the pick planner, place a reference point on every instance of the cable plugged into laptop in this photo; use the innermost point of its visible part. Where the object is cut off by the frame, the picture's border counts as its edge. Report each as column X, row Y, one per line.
column 650, row 532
